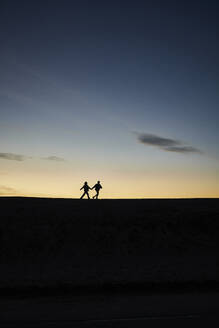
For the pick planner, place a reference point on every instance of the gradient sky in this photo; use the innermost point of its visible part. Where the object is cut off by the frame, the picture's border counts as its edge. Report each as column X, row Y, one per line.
column 125, row 92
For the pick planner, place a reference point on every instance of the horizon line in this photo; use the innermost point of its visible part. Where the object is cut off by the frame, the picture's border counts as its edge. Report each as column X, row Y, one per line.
column 138, row 198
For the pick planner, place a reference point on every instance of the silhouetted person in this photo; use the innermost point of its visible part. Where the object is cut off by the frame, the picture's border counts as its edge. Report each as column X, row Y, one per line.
column 97, row 187
column 86, row 189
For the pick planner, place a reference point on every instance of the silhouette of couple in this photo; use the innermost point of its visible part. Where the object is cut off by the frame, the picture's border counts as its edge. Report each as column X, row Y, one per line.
column 86, row 188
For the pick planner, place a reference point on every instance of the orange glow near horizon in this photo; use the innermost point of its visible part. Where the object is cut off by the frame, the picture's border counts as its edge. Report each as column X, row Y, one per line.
column 64, row 183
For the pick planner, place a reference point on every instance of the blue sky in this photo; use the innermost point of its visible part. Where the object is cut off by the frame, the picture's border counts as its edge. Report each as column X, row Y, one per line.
column 81, row 81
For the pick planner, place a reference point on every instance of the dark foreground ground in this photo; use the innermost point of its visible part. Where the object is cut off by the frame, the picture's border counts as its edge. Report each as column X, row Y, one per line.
column 64, row 243
column 117, row 310
column 69, row 261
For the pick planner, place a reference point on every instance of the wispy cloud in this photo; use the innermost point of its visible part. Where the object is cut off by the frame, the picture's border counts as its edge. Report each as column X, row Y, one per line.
column 166, row 144
column 13, row 157
column 183, row 149
column 4, row 191
column 154, row 140
column 20, row 158
column 54, row 158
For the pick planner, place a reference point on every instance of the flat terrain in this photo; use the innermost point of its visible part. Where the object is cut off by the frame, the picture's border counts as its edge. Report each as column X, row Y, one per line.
column 109, row 263
column 128, row 310
column 68, row 243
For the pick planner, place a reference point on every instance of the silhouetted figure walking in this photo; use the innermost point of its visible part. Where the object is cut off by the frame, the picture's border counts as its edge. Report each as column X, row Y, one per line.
column 86, row 189
column 97, row 187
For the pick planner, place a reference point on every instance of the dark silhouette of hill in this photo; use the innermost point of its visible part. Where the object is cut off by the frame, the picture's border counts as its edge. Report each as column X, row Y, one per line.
column 57, row 242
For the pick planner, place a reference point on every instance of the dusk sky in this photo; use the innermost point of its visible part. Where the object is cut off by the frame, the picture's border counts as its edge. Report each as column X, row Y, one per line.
column 125, row 92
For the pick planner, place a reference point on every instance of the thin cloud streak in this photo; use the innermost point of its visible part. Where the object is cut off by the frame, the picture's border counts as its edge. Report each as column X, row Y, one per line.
column 184, row 149
column 4, row 190
column 166, row 144
column 54, row 158
column 13, row 157
column 20, row 158
column 154, row 140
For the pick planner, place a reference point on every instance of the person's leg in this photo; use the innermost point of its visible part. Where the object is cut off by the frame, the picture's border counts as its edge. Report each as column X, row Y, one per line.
column 88, row 195
column 97, row 194
column 82, row 195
